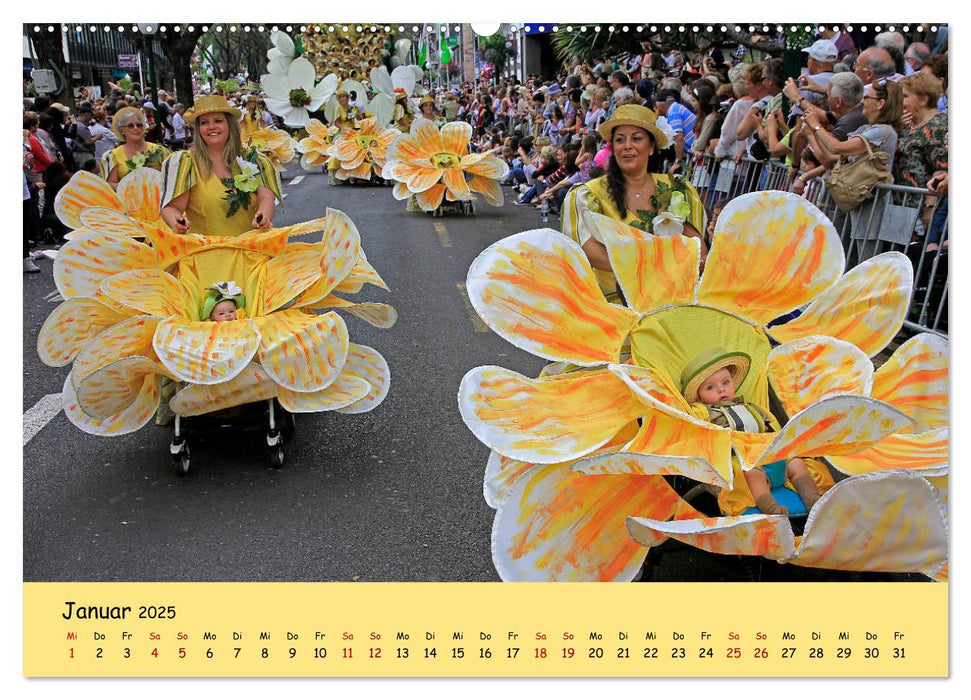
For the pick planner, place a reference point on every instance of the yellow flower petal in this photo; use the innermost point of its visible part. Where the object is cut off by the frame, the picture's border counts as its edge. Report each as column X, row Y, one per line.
column 694, row 468
column 140, row 192
column 300, row 351
column 425, row 179
column 771, row 253
column 545, row 420
column 343, row 391
column 249, row 386
column 117, row 385
column 431, row 199
column 83, row 190
column 287, row 276
column 554, row 525
column 203, row 352
column 131, row 337
column 867, row 307
column 536, row 290
column 70, row 326
column 490, row 190
column 915, row 380
column 362, row 273
column 136, row 415
column 746, row 535
column 653, row 271
column 878, row 522
column 486, row 166
column 925, row 453
column 368, row 365
column 84, row 263
column 455, row 137
column 804, row 371
column 147, row 291
column 454, row 180
column 111, row 222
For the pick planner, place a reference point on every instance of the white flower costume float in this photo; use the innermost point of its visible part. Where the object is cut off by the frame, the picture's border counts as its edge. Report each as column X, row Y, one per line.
column 578, row 458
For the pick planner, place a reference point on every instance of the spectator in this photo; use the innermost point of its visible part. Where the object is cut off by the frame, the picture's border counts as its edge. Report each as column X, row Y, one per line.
column 844, row 42
column 729, row 145
column 819, row 68
column 180, row 131
column 915, row 56
column 100, row 128
column 84, row 141
column 922, row 146
column 875, row 63
column 679, row 118
column 936, row 65
column 41, row 157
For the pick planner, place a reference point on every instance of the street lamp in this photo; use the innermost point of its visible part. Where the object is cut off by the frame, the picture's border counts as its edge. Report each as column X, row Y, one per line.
column 147, row 31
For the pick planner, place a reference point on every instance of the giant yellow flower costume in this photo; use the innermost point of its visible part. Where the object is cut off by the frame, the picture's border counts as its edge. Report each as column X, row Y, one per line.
column 435, row 164
column 314, row 147
column 362, row 149
column 131, row 315
column 87, row 200
column 576, row 473
column 275, row 144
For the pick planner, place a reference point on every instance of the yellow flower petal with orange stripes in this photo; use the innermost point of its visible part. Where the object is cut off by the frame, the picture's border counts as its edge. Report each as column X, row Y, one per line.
column 131, row 337
column 343, row 391
column 537, row 290
column 771, row 252
column 554, row 525
column 456, row 137
column 287, row 276
column 249, row 386
column 891, row 521
column 545, row 420
column 84, row 263
column 677, row 435
column 693, row 468
column 117, row 385
column 431, row 199
column 140, row 192
column 425, row 179
column 71, row 326
column 866, row 307
column 84, row 189
column 203, row 352
column 740, row 535
column 147, row 291
column 362, row 171
column 487, row 166
column 655, row 389
column 653, row 271
column 369, row 365
column 804, row 371
column 490, row 189
column 136, row 415
column 377, row 314
column 300, row 351
column 838, row 425
column 925, row 453
column 750, row 448
column 915, row 380
column 111, row 222
column 454, row 180
column 362, row 273
column 400, row 190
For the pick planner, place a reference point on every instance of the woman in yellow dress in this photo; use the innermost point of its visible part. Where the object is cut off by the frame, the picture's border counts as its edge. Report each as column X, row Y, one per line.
column 659, row 204
column 134, row 151
column 252, row 117
column 212, row 189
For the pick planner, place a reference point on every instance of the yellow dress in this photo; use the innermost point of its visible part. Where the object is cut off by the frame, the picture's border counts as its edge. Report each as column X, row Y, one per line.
column 252, row 122
column 208, row 210
column 116, row 158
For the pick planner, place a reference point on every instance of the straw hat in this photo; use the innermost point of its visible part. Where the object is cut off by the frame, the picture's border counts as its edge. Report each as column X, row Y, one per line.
column 706, row 363
column 634, row 115
column 122, row 115
column 427, row 99
column 207, row 104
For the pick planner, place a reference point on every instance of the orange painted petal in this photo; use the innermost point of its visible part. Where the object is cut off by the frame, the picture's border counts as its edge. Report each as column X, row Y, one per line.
column 203, row 352
column 915, row 380
column 430, row 199
column 653, row 271
column 425, row 179
column 378, row 315
column 676, row 435
column 249, row 386
column 300, row 351
column 110, row 221
column 537, row 290
column 114, row 387
column 490, row 190
column 804, row 371
column 545, row 420
column 362, row 273
column 877, row 522
column 419, row 145
column 170, row 247
column 652, row 465
column 287, row 276
column 84, row 263
column 772, row 252
column 368, row 365
column 925, row 453
column 343, row 391
column 131, row 337
column 866, row 307
column 147, row 291
column 655, row 389
column 486, row 166
column 454, row 180
column 83, row 190
column 361, row 171
column 769, row 536
column 69, row 328
column 140, row 192
column 554, row 525
column 400, row 191
column 456, row 137
column 838, row 425
column 750, row 447
column 136, row 415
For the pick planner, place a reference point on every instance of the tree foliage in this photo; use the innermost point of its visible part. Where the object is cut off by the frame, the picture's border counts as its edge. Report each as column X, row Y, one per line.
column 495, row 51
column 231, row 50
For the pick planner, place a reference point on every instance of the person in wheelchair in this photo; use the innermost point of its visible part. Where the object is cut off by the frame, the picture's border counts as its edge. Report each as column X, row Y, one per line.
column 709, row 382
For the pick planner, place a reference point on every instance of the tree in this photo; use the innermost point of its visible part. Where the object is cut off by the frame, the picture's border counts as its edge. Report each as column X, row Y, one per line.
column 178, row 47
column 495, row 51
column 48, row 47
column 231, row 49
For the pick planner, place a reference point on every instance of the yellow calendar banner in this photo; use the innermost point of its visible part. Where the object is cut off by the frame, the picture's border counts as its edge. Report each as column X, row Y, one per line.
column 485, row 629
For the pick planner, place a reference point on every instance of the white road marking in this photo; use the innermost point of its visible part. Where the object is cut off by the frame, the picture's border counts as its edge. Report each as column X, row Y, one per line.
column 478, row 323
column 443, row 236
column 40, row 414
column 296, row 180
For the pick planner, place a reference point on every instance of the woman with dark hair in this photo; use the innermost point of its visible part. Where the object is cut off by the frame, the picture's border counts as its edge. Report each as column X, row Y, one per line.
column 630, row 193
column 212, row 189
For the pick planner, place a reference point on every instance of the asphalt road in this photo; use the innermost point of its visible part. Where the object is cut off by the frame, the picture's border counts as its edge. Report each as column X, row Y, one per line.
column 390, row 495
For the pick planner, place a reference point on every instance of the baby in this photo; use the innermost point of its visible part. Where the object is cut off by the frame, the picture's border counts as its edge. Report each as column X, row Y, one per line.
column 222, row 301
column 712, row 378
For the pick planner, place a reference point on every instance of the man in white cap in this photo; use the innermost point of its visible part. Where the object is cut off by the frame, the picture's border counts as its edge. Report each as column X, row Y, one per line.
column 819, row 68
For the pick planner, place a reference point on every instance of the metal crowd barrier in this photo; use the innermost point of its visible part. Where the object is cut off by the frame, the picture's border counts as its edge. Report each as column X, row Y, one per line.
column 891, row 221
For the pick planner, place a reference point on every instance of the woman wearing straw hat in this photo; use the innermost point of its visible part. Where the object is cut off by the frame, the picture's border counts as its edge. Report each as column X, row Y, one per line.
column 212, row 188
column 428, row 109
column 656, row 203
column 252, row 117
column 134, row 152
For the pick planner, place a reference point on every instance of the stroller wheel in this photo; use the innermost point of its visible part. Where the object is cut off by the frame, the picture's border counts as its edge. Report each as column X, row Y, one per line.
column 181, row 459
column 276, row 457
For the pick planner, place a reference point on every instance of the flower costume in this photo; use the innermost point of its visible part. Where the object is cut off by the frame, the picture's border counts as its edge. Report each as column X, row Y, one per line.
column 576, row 473
column 314, row 148
column 275, row 144
column 87, row 200
column 130, row 317
column 295, row 95
column 362, row 149
column 435, row 165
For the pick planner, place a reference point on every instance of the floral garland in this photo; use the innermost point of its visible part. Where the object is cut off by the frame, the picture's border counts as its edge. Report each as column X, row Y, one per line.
column 670, row 208
column 141, row 160
column 240, row 188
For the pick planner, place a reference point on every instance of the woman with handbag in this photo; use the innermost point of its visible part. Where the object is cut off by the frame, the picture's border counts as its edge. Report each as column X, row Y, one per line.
column 864, row 159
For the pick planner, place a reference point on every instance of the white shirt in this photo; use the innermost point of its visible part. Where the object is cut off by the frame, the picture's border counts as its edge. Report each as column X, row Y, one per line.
column 107, row 141
column 178, row 125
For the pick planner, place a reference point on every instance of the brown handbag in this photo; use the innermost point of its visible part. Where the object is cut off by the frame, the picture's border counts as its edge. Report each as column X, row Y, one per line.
column 852, row 183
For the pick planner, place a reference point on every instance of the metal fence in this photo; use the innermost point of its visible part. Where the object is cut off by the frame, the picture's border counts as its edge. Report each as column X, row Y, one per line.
column 895, row 219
